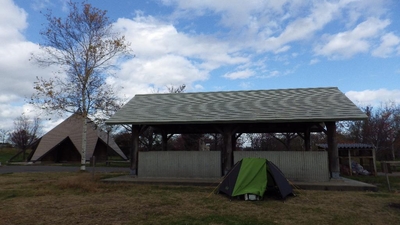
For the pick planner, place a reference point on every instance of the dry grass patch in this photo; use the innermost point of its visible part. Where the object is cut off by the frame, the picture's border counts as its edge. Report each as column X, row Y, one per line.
column 83, row 183
column 76, row 198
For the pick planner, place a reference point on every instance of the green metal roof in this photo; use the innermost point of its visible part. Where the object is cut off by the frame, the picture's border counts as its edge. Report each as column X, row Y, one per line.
column 258, row 106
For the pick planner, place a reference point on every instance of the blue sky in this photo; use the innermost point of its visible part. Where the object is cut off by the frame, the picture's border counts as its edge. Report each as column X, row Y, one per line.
column 223, row 45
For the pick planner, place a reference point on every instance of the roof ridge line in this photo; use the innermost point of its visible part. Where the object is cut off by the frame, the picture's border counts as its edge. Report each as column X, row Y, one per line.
column 236, row 91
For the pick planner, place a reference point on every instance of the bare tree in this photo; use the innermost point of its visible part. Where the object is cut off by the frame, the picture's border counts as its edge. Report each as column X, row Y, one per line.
column 85, row 48
column 285, row 139
column 254, row 141
column 25, row 133
column 216, row 141
column 3, row 136
column 261, row 142
column 149, row 139
column 179, row 89
column 381, row 129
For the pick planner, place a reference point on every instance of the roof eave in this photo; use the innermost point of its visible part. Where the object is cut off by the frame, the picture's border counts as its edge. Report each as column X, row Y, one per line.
column 314, row 120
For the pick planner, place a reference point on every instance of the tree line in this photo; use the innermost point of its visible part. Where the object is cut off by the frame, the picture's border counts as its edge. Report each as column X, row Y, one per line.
column 381, row 129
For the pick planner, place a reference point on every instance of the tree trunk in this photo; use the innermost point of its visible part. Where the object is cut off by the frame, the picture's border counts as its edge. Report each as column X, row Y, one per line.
column 83, row 153
column 393, row 153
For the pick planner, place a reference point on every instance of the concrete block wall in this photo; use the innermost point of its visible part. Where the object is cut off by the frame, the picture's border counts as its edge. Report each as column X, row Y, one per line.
column 182, row 164
column 296, row 166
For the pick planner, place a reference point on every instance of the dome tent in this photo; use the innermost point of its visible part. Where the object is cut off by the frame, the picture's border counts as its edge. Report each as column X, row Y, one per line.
column 254, row 176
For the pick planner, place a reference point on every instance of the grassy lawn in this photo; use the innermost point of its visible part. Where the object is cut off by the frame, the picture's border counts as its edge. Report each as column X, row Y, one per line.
column 7, row 153
column 379, row 181
column 75, row 198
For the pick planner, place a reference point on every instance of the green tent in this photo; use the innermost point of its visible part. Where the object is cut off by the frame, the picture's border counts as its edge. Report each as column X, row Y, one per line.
column 254, row 176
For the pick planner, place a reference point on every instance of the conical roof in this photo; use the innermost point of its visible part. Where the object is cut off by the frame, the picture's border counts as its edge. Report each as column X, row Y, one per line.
column 72, row 128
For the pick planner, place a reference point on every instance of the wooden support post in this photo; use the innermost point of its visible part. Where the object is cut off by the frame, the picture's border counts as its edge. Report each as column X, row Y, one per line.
column 108, row 142
column 164, row 136
column 349, row 157
column 135, row 149
column 307, row 143
column 385, row 170
column 333, row 153
column 234, row 139
column 228, row 134
column 374, row 161
column 228, row 156
column 93, row 166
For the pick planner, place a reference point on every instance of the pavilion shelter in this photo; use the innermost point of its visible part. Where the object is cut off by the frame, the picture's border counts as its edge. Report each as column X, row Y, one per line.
column 231, row 113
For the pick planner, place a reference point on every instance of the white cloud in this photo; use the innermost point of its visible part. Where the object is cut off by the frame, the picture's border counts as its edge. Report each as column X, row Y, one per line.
column 234, row 13
column 246, row 85
column 12, row 22
column 198, row 87
column 304, row 28
column 348, row 43
column 165, row 56
column 16, row 71
column 270, row 74
column 239, row 74
column 48, row 124
column 273, row 26
column 374, row 97
column 314, row 61
column 19, row 72
column 7, row 115
column 389, row 44
column 274, row 73
column 40, row 4
column 13, row 57
column 165, row 70
column 151, row 38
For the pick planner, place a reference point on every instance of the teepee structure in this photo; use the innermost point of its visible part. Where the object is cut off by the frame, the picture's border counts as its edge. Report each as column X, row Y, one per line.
column 64, row 143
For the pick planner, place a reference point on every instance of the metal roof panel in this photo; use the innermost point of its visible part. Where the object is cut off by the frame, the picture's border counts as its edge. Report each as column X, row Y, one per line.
column 258, row 106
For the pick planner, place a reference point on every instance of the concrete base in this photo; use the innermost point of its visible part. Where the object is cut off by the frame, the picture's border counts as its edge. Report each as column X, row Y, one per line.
column 165, row 181
column 335, row 175
column 340, row 184
column 133, row 172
